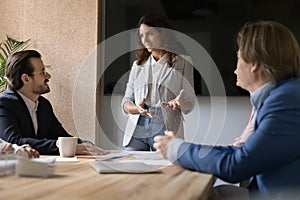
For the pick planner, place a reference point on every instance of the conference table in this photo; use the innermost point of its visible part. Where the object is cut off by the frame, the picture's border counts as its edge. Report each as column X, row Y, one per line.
column 78, row 180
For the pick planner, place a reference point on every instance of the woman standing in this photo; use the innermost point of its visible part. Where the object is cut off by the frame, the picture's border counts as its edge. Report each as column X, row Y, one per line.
column 160, row 86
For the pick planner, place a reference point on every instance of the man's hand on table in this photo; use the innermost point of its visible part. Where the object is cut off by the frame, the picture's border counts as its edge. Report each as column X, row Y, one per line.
column 162, row 142
column 31, row 153
column 89, row 149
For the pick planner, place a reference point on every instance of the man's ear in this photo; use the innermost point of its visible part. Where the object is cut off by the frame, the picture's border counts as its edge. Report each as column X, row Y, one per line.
column 254, row 67
column 25, row 78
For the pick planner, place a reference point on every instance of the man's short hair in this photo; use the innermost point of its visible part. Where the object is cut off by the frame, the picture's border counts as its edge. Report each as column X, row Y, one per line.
column 17, row 64
column 272, row 46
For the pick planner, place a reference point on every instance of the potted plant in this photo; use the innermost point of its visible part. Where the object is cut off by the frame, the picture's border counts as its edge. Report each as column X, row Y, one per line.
column 8, row 47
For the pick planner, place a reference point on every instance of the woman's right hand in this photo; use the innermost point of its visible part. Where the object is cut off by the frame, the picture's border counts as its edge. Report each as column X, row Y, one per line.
column 141, row 109
column 132, row 108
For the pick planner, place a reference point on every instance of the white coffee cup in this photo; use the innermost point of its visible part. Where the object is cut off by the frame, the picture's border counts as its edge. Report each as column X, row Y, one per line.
column 67, row 146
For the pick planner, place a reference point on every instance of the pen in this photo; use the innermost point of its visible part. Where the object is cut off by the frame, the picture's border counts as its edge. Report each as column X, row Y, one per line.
column 112, row 158
column 148, row 114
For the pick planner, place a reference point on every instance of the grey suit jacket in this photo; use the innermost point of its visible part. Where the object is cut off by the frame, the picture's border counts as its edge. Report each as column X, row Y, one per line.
column 171, row 81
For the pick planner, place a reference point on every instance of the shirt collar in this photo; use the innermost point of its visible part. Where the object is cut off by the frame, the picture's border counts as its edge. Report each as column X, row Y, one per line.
column 161, row 61
column 258, row 96
column 31, row 105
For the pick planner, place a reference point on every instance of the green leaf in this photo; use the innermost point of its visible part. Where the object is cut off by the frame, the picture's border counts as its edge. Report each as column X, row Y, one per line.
column 8, row 47
column 1, row 59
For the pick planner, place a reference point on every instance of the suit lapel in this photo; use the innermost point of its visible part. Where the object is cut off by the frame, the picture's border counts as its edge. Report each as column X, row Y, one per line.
column 27, row 116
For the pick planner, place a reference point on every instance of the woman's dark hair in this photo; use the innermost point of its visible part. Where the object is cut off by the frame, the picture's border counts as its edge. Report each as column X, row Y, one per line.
column 17, row 64
column 170, row 42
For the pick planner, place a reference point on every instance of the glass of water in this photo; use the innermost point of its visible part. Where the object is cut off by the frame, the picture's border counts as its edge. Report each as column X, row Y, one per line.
column 7, row 163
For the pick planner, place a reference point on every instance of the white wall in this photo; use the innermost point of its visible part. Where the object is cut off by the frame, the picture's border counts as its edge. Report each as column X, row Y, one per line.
column 196, row 123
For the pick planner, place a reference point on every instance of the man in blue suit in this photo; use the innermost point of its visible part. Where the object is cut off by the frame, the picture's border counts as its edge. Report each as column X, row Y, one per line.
column 268, row 66
column 26, row 117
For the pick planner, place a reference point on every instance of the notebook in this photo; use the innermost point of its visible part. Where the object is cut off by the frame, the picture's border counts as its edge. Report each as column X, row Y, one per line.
column 105, row 167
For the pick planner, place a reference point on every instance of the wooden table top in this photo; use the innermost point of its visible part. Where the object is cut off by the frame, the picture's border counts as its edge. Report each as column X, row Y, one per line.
column 80, row 181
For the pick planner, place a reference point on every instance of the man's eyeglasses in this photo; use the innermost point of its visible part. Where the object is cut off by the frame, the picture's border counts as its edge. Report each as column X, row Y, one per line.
column 43, row 72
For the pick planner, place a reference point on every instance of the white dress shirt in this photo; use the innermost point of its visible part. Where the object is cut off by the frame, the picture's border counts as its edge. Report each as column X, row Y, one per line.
column 156, row 70
column 32, row 108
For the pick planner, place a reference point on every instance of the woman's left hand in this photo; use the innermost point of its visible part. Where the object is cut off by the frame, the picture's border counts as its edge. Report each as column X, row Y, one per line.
column 174, row 103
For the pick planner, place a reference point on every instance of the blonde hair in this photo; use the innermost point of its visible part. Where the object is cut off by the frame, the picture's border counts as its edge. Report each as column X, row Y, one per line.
column 272, row 46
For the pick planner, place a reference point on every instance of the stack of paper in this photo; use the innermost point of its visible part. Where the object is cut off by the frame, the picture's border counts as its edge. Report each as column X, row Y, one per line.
column 116, row 167
column 35, row 167
column 145, row 154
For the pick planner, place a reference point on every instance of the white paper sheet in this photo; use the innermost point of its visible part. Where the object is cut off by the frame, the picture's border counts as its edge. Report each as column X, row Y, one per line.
column 45, row 160
column 117, row 167
column 113, row 156
column 145, row 154
column 161, row 162
column 147, row 157
column 67, row 159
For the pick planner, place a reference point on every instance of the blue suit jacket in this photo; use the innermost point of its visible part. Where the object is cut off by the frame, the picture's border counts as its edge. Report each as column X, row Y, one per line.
column 16, row 125
column 271, row 155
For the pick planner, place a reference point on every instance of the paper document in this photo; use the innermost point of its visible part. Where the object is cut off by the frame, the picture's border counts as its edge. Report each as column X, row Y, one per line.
column 133, row 154
column 160, row 162
column 117, row 167
column 67, row 159
column 145, row 154
column 113, row 156
column 44, row 160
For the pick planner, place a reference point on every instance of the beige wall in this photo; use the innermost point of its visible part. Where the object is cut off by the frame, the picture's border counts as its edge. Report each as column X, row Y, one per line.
column 64, row 32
